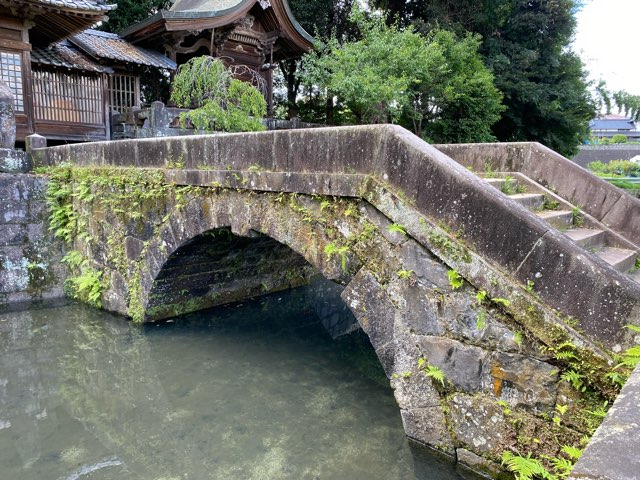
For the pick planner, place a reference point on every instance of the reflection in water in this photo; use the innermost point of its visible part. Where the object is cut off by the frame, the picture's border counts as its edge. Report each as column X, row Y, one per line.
column 253, row 391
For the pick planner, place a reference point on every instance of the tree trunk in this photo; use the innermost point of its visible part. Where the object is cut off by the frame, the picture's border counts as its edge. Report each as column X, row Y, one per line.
column 329, row 110
column 288, row 69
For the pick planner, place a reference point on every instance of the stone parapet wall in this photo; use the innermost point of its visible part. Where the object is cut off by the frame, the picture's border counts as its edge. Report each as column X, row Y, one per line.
column 30, row 266
column 603, row 201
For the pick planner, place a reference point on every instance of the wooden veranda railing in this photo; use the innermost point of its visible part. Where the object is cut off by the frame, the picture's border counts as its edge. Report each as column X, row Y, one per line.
column 68, row 97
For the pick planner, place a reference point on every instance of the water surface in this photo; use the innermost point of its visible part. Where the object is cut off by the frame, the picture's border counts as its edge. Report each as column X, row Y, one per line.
column 254, row 391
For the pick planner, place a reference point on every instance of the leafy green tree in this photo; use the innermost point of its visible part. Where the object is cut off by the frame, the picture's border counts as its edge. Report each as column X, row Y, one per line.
column 525, row 44
column 221, row 102
column 434, row 84
column 602, row 97
column 322, row 19
column 628, row 104
column 458, row 102
column 625, row 102
column 130, row 12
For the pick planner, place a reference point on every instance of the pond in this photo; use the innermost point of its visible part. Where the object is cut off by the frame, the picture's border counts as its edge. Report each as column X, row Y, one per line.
column 257, row 390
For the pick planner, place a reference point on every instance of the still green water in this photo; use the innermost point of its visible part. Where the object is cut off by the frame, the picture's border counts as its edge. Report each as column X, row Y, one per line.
column 251, row 391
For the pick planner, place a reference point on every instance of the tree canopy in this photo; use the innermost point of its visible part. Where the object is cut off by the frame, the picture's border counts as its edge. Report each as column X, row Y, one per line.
column 130, row 12
column 322, row 19
column 434, row 84
column 525, row 45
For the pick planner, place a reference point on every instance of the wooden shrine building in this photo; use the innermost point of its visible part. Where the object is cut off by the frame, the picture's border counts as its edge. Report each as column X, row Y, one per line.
column 67, row 79
column 250, row 36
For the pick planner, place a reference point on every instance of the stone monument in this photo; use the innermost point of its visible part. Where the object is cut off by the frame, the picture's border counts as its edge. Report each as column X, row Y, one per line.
column 11, row 160
column 7, row 117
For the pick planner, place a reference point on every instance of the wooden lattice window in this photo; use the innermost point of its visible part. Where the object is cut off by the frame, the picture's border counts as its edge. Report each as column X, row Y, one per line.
column 68, row 97
column 11, row 74
column 123, row 91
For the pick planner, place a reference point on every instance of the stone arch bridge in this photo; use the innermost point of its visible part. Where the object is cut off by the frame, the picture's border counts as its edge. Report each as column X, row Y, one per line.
column 500, row 289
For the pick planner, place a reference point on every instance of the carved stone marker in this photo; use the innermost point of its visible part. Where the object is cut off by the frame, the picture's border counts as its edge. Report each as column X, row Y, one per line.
column 7, row 117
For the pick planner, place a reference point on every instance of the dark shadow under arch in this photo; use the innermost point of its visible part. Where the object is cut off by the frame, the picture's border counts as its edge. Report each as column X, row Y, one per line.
column 218, row 267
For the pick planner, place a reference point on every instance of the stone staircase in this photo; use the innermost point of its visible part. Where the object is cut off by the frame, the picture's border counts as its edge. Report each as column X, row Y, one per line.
column 587, row 232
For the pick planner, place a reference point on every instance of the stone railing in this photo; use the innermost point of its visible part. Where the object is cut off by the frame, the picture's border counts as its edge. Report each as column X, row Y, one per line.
column 603, row 201
column 612, row 453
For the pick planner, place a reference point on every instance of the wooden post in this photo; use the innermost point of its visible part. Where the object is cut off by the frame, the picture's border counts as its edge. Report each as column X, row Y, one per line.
column 269, row 74
column 106, row 105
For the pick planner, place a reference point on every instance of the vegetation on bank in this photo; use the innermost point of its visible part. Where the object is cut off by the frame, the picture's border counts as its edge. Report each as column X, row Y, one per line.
column 622, row 168
column 616, row 172
column 617, row 139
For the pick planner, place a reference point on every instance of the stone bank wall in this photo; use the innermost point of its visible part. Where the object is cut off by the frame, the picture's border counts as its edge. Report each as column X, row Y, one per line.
column 30, row 266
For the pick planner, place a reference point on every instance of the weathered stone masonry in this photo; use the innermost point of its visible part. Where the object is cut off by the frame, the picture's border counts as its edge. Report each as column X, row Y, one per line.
column 406, row 317
column 500, row 232
column 330, row 197
column 29, row 257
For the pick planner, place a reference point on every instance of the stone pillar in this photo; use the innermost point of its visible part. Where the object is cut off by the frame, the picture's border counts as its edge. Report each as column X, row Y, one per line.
column 34, row 145
column 158, row 119
column 11, row 160
column 35, row 141
column 7, row 117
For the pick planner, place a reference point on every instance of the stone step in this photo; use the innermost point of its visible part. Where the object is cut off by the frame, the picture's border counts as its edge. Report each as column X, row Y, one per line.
column 586, row 237
column 532, row 201
column 499, row 183
column 495, row 182
column 591, row 239
column 558, row 218
column 621, row 259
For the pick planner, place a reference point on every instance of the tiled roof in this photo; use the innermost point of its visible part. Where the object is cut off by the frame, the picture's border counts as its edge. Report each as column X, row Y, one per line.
column 103, row 45
column 91, row 5
column 611, row 124
column 64, row 55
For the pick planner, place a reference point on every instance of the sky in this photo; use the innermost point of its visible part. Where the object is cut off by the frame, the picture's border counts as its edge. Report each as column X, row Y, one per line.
column 608, row 41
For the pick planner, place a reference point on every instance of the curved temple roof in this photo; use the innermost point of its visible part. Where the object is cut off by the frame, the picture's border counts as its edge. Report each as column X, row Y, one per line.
column 203, row 5
column 90, row 5
column 65, row 55
column 198, row 15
